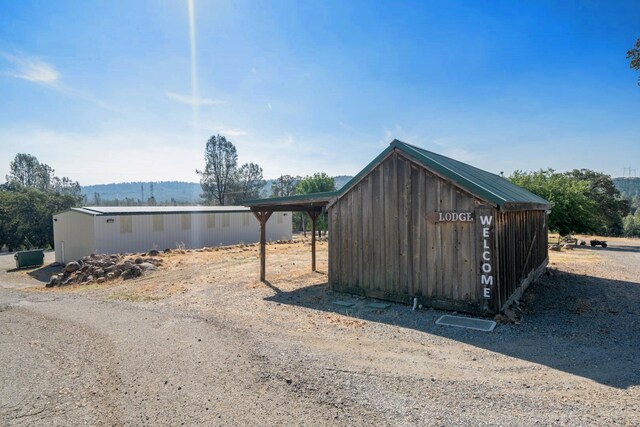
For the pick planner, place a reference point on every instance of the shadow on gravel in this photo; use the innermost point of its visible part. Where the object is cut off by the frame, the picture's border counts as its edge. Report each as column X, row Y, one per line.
column 43, row 274
column 635, row 249
column 581, row 325
column 613, row 247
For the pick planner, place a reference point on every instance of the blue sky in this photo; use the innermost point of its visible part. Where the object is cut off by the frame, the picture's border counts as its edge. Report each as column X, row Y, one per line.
column 102, row 91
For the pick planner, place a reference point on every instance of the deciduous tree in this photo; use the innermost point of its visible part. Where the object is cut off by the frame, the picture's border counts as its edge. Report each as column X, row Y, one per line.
column 573, row 210
column 27, row 171
column 610, row 206
column 28, row 200
column 247, row 183
column 26, row 216
column 319, row 182
column 284, row 186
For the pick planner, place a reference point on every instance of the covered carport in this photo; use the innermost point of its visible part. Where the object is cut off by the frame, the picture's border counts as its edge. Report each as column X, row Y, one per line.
column 312, row 204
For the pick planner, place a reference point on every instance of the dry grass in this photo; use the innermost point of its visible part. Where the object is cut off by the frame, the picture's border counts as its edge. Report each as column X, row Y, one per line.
column 574, row 256
column 288, row 266
column 571, row 257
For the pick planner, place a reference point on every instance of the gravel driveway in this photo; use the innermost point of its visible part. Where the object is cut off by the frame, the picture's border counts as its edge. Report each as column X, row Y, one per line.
column 207, row 344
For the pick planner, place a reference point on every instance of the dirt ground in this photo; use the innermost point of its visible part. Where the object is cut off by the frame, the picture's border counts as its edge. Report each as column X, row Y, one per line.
column 203, row 342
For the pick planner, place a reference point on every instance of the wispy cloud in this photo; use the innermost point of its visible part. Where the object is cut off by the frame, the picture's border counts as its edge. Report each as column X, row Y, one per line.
column 386, row 139
column 398, row 132
column 186, row 99
column 441, row 142
column 223, row 130
column 37, row 71
column 31, row 69
column 450, row 148
column 234, row 132
column 460, row 154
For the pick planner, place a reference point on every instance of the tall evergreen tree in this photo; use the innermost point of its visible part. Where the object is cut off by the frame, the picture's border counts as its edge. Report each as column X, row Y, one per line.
column 221, row 163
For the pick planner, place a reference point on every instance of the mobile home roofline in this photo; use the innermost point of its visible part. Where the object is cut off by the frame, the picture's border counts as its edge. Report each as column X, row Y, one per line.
column 155, row 210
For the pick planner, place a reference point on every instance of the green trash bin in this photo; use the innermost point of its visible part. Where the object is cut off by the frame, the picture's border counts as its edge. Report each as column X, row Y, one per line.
column 31, row 258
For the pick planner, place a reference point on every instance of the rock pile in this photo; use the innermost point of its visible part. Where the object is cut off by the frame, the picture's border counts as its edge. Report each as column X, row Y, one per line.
column 102, row 268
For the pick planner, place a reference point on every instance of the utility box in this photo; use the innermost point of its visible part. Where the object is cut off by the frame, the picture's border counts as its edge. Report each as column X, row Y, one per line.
column 31, row 258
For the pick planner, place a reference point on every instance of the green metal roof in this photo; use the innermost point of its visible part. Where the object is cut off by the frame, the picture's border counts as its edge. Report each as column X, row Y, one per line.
column 485, row 185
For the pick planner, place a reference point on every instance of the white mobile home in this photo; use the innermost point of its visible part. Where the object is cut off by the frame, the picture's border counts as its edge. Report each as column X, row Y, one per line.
column 79, row 232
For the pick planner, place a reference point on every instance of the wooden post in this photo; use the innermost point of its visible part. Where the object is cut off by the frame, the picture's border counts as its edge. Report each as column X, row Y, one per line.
column 262, row 219
column 314, row 217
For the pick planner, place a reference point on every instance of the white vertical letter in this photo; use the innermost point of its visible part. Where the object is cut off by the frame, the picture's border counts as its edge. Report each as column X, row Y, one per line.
column 486, row 220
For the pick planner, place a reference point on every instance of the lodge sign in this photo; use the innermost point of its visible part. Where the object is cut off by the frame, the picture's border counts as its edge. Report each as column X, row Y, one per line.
column 450, row 216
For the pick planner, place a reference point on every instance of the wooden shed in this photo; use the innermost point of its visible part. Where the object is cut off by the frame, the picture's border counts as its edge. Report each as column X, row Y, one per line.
column 415, row 224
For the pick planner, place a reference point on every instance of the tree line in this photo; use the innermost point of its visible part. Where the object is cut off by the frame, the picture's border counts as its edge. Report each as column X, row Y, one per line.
column 32, row 193
column 584, row 201
column 29, row 198
column 630, row 190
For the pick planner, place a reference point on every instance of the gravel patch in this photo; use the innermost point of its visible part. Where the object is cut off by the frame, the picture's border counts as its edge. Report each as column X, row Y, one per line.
column 202, row 342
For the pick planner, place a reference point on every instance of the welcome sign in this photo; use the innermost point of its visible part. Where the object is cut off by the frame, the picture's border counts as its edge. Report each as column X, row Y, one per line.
column 486, row 279
column 486, row 256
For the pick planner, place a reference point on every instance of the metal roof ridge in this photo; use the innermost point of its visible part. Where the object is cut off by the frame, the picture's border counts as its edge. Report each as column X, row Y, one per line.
column 89, row 208
column 420, row 152
column 113, row 210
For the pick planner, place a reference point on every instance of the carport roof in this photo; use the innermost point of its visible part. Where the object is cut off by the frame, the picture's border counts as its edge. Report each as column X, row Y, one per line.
column 300, row 202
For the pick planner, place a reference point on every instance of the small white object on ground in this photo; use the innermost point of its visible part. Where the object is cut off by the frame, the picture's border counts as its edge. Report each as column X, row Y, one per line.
column 466, row 322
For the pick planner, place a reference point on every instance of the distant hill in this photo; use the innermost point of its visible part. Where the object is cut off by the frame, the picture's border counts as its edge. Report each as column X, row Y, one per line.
column 629, row 187
column 164, row 191
column 341, row 180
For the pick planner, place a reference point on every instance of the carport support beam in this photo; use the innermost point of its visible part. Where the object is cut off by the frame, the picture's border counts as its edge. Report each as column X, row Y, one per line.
column 314, row 218
column 263, row 217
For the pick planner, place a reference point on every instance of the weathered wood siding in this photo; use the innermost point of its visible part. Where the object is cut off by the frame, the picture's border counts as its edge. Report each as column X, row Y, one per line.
column 521, row 240
column 382, row 245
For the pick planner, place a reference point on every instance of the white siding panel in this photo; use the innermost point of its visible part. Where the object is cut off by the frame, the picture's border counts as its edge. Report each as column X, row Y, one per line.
column 143, row 237
column 73, row 236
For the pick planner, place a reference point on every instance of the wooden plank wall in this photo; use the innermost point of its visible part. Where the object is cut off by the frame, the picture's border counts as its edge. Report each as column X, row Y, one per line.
column 383, row 247
column 521, row 240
